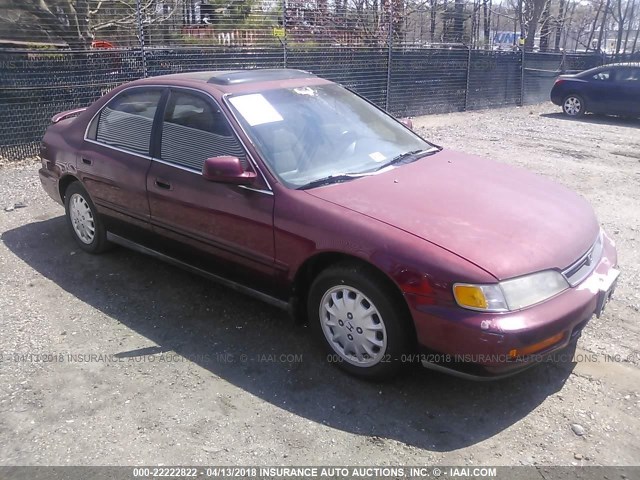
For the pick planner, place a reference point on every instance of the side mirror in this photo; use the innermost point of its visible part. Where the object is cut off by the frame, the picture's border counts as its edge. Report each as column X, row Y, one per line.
column 406, row 122
column 227, row 169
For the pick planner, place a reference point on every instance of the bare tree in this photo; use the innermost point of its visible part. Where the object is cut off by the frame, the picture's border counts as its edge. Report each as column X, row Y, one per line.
column 560, row 20
column 486, row 11
column 603, row 26
column 76, row 22
column 545, row 28
column 66, row 20
column 532, row 12
column 620, row 15
column 630, row 25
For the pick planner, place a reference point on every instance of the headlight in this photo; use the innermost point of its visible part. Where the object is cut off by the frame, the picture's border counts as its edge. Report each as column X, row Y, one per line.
column 531, row 289
column 511, row 294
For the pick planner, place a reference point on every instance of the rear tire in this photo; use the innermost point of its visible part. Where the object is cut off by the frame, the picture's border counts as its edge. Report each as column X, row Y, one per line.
column 84, row 221
column 573, row 105
column 361, row 325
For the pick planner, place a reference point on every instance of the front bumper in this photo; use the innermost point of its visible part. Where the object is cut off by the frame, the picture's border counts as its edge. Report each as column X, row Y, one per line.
column 478, row 344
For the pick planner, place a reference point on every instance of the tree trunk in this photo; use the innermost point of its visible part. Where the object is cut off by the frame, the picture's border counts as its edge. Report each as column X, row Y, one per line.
column 434, row 16
column 545, row 30
column 569, row 24
column 538, row 7
column 631, row 19
column 458, row 22
column 602, row 26
column 521, row 18
column 487, row 22
column 559, row 25
column 635, row 42
column 621, row 21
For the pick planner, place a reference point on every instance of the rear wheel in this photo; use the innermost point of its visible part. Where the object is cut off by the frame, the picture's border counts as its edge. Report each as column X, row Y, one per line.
column 573, row 106
column 362, row 326
column 84, row 222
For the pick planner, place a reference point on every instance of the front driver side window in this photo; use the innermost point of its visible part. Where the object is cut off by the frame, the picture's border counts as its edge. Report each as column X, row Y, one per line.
column 194, row 130
column 603, row 75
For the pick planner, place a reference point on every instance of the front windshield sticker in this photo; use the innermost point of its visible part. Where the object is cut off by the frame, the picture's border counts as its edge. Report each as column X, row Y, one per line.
column 377, row 157
column 256, row 109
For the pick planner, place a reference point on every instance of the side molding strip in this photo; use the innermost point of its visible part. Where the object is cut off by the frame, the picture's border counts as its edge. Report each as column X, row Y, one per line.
column 238, row 287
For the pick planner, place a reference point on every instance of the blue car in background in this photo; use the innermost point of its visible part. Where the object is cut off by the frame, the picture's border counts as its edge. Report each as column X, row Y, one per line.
column 611, row 90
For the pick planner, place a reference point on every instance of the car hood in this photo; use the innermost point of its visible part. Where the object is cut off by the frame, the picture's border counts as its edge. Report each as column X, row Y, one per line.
column 504, row 219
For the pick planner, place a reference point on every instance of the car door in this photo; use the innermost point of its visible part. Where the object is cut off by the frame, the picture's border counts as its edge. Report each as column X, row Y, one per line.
column 114, row 163
column 628, row 90
column 232, row 223
column 599, row 92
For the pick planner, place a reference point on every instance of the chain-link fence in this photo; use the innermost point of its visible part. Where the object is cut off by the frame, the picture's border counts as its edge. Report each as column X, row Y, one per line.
column 58, row 55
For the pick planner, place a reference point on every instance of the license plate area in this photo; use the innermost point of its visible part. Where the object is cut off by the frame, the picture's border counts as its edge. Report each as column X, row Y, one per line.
column 606, row 290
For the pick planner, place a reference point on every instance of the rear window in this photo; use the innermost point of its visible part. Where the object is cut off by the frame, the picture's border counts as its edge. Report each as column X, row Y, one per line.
column 127, row 120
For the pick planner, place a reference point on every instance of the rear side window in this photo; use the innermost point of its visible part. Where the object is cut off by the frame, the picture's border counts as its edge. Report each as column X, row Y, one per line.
column 127, row 120
column 194, row 130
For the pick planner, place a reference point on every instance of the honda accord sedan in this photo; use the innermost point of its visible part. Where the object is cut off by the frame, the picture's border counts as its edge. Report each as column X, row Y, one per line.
column 295, row 190
column 610, row 90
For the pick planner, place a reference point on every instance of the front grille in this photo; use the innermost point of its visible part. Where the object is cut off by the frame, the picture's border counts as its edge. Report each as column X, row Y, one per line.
column 586, row 264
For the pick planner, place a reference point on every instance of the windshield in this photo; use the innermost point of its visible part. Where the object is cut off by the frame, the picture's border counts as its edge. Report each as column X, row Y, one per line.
column 310, row 133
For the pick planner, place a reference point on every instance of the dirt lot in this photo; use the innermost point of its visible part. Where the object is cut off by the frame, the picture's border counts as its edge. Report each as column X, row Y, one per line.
column 193, row 373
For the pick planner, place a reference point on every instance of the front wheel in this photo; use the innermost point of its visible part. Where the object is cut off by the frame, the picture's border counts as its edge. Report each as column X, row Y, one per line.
column 82, row 218
column 363, row 327
column 573, row 106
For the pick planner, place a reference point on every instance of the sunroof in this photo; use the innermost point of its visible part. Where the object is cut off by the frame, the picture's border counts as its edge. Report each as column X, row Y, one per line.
column 257, row 75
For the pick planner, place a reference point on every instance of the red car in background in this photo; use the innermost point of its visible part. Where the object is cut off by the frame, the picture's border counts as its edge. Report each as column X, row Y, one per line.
column 295, row 190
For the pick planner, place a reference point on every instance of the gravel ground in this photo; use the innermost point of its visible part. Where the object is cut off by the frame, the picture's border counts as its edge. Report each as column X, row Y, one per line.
column 187, row 372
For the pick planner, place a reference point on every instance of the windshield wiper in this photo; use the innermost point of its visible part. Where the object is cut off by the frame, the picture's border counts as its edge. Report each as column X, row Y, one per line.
column 412, row 156
column 342, row 177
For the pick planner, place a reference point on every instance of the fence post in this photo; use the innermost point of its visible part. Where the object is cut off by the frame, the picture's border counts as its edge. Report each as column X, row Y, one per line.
column 141, row 38
column 284, row 27
column 522, row 70
column 466, row 90
column 389, row 54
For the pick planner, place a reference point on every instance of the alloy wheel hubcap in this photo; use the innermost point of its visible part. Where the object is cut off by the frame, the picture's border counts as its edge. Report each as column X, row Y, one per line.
column 353, row 326
column 572, row 106
column 82, row 218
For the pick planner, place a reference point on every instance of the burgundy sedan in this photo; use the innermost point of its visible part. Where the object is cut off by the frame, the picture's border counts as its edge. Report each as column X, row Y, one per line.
column 295, row 190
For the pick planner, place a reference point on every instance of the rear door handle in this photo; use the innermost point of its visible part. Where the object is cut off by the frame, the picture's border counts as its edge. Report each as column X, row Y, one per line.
column 163, row 184
column 86, row 161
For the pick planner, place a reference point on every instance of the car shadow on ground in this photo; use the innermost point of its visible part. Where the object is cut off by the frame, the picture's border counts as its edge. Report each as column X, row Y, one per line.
column 596, row 119
column 214, row 326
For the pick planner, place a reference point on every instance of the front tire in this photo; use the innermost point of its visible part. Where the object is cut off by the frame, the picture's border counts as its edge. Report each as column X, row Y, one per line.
column 573, row 106
column 83, row 220
column 363, row 327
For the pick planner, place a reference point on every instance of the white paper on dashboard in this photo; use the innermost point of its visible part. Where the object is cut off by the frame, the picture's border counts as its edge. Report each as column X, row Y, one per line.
column 256, row 109
column 377, row 157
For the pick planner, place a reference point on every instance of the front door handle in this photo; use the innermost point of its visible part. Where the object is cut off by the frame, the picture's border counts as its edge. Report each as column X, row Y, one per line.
column 163, row 184
column 86, row 161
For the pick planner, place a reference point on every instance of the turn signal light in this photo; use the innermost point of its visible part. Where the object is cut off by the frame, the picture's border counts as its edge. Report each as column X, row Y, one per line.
column 470, row 296
column 536, row 347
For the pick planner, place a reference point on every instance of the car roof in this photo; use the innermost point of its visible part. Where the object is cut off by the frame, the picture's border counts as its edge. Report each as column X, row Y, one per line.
column 623, row 64
column 235, row 80
column 591, row 71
